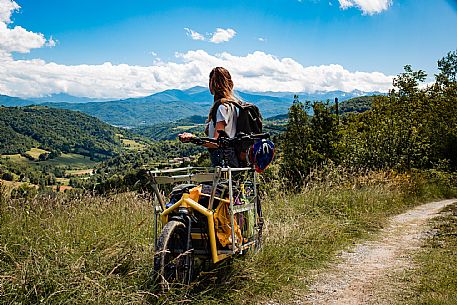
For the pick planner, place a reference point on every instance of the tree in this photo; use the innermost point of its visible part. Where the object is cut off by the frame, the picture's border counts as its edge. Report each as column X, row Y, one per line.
column 309, row 141
column 412, row 127
column 392, row 134
column 323, row 137
column 295, row 163
column 443, row 94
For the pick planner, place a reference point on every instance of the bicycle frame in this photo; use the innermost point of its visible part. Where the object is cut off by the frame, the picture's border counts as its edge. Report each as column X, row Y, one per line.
column 190, row 205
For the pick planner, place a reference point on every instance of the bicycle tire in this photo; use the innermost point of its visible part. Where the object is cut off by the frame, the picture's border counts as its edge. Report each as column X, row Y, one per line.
column 172, row 263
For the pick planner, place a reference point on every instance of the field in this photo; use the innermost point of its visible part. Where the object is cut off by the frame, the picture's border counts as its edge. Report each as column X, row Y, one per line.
column 79, row 172
column 36, row 152
column 74, row 161
column 17, row 158
column 130, row 144
column 63, row 181
column 61, row 188
column 83, row 249
column 9, row 185
column 63, row 184
column 77, row 250
column 74, row 165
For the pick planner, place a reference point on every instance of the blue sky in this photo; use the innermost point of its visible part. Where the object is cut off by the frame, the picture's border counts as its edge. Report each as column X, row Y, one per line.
column 322, row 43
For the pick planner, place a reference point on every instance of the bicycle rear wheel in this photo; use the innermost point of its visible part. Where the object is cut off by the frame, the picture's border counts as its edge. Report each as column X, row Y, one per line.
column 173, row 261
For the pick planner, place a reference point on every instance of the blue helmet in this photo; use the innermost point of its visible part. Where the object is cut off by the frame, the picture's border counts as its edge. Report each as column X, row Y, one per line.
column 261, row 154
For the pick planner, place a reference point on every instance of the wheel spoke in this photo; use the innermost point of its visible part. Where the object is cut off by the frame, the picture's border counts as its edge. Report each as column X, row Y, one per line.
column 174, row 264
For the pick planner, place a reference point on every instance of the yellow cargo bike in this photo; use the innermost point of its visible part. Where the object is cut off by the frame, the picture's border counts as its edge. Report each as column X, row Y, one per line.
column 209, row 215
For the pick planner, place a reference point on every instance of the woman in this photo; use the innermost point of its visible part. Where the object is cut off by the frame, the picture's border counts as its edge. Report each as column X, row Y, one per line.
column 222, row 117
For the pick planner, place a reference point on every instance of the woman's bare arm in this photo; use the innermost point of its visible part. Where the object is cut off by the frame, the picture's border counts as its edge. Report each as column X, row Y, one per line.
column 186, row 136
column 219, row 126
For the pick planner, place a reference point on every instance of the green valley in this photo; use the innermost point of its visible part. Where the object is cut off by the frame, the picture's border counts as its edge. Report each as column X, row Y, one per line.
column 47, row 146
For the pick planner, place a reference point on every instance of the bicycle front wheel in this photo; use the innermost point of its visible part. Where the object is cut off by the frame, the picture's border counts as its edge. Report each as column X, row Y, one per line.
column 173, row 261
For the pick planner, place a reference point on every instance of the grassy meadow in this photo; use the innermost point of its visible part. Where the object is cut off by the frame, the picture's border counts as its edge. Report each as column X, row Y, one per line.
column 69, row 164
column 36, row 152
column 71, row 160
column 130, row 144
column 84, row 249
column 74, row 161
column 60, row 249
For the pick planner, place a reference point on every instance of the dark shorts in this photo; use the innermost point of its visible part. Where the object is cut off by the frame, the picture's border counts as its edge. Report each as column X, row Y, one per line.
column 223, row 157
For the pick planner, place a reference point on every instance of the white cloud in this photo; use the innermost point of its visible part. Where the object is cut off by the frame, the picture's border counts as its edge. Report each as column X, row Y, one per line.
column 344, row 4
column 51, row 42
column 368, row 7
column 257, row 71
column 222, row 35
column 7, row 7
column 194, row 35
column 261, row 39
column 17, row 39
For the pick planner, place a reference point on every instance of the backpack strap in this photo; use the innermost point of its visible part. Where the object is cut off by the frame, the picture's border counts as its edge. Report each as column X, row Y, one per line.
column 213, row 110
column 216, row 106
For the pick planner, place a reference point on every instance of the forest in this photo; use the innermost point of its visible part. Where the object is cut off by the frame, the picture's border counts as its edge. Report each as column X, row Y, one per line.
column 55, row 130
column 413, row 127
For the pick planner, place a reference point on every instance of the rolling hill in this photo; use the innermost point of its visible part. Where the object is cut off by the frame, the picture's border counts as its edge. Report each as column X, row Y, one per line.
column 196, row 124
column 9, row 101
column 56, row 130
column 171, row 105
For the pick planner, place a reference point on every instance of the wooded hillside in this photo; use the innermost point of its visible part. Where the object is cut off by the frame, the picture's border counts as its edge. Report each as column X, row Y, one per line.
column 56, row 130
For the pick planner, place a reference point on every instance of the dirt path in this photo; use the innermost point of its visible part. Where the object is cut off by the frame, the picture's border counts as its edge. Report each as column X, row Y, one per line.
column 363, row 275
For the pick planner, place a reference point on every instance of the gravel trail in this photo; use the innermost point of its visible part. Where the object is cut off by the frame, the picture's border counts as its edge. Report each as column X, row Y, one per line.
column 362, row 275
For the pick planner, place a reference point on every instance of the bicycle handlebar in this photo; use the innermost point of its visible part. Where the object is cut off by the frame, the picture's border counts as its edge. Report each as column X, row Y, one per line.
column 224, row 141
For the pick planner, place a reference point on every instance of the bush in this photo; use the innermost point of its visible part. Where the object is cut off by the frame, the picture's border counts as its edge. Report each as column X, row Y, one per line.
column 8, row 176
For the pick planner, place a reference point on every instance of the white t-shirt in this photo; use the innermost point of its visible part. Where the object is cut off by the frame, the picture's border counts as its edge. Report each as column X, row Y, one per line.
column 227, row 113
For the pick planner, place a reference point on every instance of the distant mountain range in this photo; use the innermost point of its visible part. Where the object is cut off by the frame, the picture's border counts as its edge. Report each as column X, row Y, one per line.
column 171, row 105
column 66, row 98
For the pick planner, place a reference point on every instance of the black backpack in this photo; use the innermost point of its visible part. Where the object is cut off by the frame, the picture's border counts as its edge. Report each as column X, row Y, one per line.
column 249, row 121
column 249, row 118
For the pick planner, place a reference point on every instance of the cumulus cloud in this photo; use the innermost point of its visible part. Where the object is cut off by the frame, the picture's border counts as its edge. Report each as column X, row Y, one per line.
column 194, row 35
column 7, row 7
column 17, row 39
column 222, row 35
column 257, row 71
column 368, row 7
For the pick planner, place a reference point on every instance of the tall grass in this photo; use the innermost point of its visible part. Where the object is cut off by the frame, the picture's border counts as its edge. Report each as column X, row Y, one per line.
column 88, row 249
column 72, row 250
column 335, row 209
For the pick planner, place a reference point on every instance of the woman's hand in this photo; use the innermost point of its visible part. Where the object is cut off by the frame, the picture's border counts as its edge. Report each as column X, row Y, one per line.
column 185, row 137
